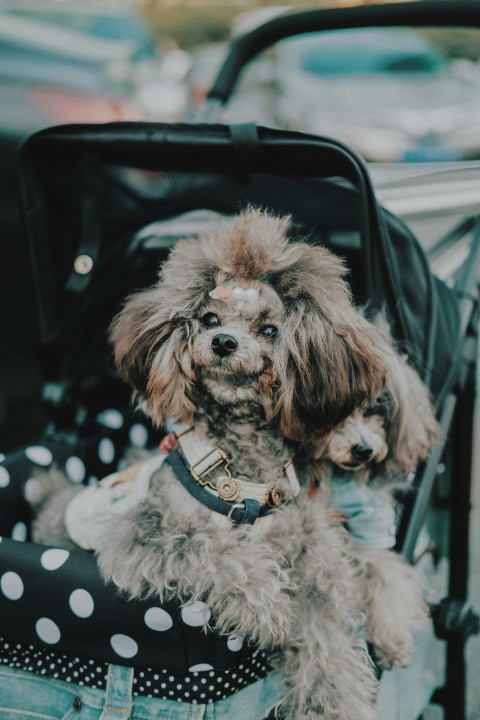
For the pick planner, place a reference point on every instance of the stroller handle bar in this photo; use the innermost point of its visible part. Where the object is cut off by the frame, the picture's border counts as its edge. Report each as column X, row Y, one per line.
column 427, row 13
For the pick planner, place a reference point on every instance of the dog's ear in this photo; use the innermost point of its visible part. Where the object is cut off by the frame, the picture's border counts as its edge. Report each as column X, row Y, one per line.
column 151, row 353
column 411, row 424
column 326, row 370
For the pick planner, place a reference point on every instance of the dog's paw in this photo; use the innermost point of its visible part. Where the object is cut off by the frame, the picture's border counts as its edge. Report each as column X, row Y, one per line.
column 266, row 625
column 394, row 653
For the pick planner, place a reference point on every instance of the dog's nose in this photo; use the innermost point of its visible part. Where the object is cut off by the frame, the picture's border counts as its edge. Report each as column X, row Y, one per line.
column 362, row 452
column 224, row 345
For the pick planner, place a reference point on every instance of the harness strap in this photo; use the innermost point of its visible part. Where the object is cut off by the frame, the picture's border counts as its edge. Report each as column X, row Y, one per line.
column 241, row 513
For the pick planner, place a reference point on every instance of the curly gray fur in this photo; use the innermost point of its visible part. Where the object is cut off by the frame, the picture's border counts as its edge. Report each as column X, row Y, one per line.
column 399, row 428
column 290, row 582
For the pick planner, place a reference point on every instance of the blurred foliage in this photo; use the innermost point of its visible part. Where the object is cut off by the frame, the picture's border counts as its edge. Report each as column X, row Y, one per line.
column 455, row 42
column 195, row 22
column 191, row 24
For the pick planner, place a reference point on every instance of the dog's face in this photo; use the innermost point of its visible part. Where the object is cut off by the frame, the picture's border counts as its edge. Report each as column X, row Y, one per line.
column 389, row 437
column 234, row 340
column 243, row 315
column 360, row 440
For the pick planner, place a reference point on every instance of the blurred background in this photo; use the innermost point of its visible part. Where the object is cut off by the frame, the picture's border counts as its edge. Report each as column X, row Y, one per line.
column 397, row 96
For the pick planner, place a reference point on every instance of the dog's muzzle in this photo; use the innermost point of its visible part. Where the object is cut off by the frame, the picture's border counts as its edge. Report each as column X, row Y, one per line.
column 223, row 345
column 362, row 453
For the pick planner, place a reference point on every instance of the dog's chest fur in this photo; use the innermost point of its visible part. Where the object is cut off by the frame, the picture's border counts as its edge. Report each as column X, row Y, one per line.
column 256, row 450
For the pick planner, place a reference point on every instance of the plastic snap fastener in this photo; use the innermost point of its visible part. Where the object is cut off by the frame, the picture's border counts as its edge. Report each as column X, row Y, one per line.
column 83, row 264
column 77, row 703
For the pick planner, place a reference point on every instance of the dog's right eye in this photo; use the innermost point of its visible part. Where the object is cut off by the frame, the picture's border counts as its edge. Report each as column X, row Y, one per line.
column 210, row 320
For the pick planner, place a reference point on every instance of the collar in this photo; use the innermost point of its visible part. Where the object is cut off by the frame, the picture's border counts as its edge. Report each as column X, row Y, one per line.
column 242, row 501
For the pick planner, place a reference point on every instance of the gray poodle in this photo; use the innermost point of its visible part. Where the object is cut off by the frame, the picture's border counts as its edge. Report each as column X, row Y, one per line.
column 253, row 345
column 380, row 445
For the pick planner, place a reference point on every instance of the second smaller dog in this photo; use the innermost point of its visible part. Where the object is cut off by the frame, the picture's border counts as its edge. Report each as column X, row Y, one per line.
column 373, row 448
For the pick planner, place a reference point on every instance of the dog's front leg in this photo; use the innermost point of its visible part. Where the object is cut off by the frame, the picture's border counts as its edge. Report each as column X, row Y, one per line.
column 328, row 670
column 251, row 594
column 246, row 589
column 394, row 605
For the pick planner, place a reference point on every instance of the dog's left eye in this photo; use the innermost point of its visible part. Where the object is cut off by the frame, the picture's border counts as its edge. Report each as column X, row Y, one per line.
column 269, row 331
column 210, row 320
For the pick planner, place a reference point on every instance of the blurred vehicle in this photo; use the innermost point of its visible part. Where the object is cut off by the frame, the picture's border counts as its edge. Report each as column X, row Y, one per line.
column 387, row 92
column 158, row 72
column 52, row 76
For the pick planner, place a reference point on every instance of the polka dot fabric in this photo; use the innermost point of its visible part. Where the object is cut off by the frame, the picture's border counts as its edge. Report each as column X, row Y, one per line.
column 198, row 686
column 56, row 598
column 84, row 455
column 55, row 608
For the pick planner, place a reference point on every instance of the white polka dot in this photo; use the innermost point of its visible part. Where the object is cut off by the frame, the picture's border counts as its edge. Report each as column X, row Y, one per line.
column 124, row 646
column 39, row 455
column 48, row 631
column 106, row 451
column 158, row 619
column 19, row 532
column 111, row 418
column 54, row 558
column 138, row 435
column 4, row 477
column 11, row 585
column 2, row 457
column 201, row 667
column 92, row 480
column 81, row 603
column 196, row 614
column 235, row 642
column 75, row 469
column 32, row 490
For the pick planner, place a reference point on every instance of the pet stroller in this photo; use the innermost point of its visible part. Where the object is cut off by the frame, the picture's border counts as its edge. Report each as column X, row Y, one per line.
column 103, row 205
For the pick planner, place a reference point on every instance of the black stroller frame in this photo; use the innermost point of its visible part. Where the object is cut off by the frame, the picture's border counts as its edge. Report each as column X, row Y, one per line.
column 58, row 247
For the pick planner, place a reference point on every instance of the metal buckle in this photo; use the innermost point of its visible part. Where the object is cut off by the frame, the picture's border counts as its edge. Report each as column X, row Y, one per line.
column 198, row 476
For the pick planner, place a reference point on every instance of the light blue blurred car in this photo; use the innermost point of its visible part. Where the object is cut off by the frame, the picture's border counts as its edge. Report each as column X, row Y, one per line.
column 387, row 92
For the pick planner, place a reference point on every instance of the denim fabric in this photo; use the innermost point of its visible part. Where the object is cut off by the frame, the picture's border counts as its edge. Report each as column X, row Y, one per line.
column 369, row 517
column 28, row 696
